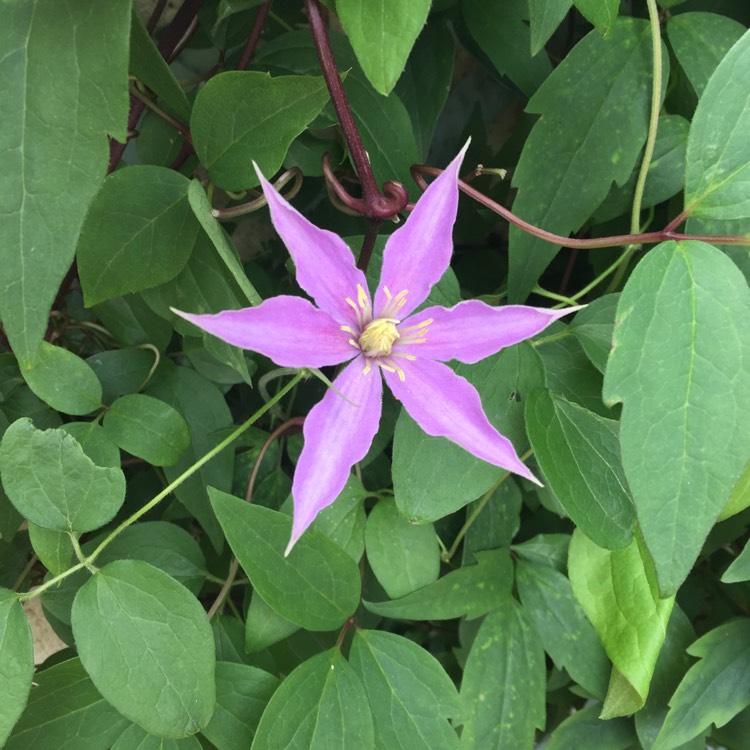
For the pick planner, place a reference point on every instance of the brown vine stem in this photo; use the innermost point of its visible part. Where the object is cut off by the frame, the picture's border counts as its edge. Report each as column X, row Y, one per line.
column 645, row 238
column 374, row 204
column 252, row 40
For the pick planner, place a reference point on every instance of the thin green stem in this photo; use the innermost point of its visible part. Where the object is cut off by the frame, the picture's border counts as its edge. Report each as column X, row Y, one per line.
column 553, row 295
column 648, row 151
column 169, row 488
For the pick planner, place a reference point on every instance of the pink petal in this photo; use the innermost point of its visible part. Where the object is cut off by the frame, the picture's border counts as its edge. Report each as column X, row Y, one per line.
column 446, row 405
column 289, row 330
column 472, row 330
column 417, row 254
column 324, row 264
column 337, row 435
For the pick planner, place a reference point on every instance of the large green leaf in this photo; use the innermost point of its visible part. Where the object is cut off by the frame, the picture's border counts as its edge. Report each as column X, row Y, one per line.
column 470, row 591
column 321, row 705
column 566, row 634
column 316, row 586
column 593, row 327
column 579, row 454
column 62, row 704
column 700, row 41
column 242, row 693
column 57, row 112
column 410, row 694
column 147, row 644
column 502, row 693
column 681, row 367
column 617, row 590
column 138, row 234
column 404, row 557
column 241, row 116
column 382, row 33
column 16, row 661
column 499, row 28
column 715, row 689
column 135, row 738
column 572, row 156
column 433, row 477
column 53, row 483
column 717, row 180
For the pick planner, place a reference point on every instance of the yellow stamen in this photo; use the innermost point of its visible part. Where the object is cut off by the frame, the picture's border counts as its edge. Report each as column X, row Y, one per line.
column 378, row 337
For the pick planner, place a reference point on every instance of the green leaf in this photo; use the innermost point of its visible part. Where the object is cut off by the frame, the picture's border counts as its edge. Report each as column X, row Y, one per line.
column 164, row 545
column 423, row 88
column 53, row 483
column 53, row 548
column 700, row 41
column 52, row 167
column 500, row 30
column 404, row 557
column 207, row 415
column 138, row 233
column 666, row 172
column 147, row 644
column 566, row 634
column 617, row 590
column 593, row 327
column 681, row 367
column 321, row 705
column 264, row 626
column 409, row 693
column 241, row 116
column 739, row 570
column 242, row 693
column 121, row 371
column 343, row 522
column 568, row 164
column 570, row 374
column 205, row 285
column 506, row 652
column 95, row 443
column 135, row 738
column 433, row 477
column 715, row 689
column 382, row 33
column 545, row 549
column 717, row 179
column 317, row 586
column 585, row 729
column 601, row 13
column 63, row 702
column 63, row 380
column 149, row 67
column 740, row 497
column 16, row 661
column 496, row 523
column 148, row 428
column 202, row 209
column 470, row 591
column 579, row 454
column 545, row 16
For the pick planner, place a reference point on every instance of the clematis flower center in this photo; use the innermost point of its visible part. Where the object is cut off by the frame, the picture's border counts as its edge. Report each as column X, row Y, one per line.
column 378, row 337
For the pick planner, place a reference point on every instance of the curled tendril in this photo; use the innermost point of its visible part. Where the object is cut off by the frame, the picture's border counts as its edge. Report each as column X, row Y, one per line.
column 224, row 214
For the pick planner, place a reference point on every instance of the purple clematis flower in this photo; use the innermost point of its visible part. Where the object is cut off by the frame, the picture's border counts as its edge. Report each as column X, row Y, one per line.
column 378, row 337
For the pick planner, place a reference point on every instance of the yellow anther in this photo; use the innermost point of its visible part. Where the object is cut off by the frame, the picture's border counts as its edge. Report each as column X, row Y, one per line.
column 378, row 337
